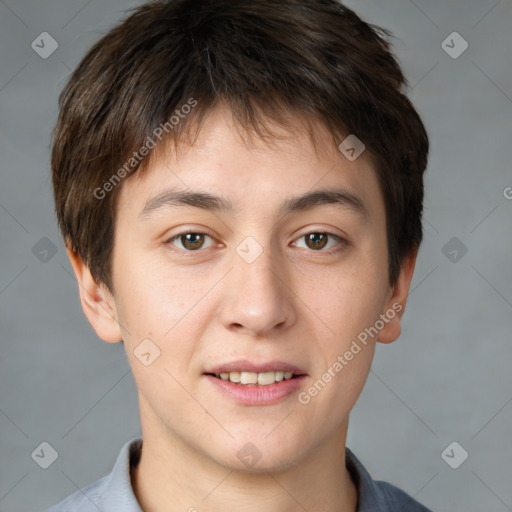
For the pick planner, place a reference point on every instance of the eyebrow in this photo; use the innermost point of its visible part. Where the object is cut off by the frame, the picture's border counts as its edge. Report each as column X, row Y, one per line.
column 177, row 198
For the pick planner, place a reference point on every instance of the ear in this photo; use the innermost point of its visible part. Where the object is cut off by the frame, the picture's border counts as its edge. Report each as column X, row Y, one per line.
column 395, row 304
column 97, row 302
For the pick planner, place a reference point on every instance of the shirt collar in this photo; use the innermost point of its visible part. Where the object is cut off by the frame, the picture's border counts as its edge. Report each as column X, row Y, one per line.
column 118, row 491
column 367, row 490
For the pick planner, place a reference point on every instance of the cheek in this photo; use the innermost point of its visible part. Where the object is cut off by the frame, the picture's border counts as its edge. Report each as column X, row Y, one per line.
column 157, row 311
column 349, row 305
column 157, row 303
column 350, row 302
column 345, row 350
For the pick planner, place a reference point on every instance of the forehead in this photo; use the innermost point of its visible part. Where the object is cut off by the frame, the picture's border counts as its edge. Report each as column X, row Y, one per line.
column 249, row 170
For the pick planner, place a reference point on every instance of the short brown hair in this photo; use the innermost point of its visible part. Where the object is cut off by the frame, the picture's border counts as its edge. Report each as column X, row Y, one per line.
column 314, row 58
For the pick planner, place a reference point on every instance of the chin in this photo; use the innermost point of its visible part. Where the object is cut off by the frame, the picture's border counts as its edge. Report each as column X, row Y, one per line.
column 260, row 455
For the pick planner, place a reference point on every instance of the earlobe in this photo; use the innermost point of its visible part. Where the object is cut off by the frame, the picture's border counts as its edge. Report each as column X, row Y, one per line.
column 97, row 302
column 395, row 305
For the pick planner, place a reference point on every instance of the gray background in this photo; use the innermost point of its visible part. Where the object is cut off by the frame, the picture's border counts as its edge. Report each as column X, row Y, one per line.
column 446, row 379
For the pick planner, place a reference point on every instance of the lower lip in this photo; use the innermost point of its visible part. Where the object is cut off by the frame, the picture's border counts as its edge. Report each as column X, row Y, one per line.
column 248, row 394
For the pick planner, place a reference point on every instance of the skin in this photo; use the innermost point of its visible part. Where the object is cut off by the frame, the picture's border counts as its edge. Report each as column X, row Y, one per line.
column 299, row 303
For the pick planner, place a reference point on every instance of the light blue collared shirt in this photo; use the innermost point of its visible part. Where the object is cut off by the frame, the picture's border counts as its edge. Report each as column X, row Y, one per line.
column 114, row 493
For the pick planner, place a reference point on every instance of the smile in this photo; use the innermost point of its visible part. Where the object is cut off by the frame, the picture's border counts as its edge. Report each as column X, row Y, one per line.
column 252, row 378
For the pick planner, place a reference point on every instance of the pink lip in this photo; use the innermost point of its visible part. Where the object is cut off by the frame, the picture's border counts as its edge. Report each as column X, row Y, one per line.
column 248, row 366
column 247, row 394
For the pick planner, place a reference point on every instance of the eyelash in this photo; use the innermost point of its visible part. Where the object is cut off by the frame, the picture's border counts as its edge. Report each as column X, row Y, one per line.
column 341, row 241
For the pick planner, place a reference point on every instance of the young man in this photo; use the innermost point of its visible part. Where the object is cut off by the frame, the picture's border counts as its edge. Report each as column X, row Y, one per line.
column 240, row 188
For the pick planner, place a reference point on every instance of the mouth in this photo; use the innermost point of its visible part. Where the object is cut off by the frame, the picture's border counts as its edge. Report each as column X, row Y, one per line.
column 255, row 379
column 256, row 384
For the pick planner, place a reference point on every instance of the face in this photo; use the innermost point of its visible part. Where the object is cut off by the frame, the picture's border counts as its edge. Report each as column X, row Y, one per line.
column 252, row 280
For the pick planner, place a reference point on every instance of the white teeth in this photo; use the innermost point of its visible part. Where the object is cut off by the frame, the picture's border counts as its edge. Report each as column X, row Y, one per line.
column 248, row 378
column 262, row 379
column 234, row 376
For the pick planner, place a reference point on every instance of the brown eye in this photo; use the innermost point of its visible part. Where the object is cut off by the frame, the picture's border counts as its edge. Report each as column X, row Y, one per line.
column 190, row 241
column 317, row 241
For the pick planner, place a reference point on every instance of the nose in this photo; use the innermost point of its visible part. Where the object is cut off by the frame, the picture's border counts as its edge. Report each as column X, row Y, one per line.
column 258, row 297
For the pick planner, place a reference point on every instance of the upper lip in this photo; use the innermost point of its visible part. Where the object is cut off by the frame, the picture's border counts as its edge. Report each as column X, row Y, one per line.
column 248, row 366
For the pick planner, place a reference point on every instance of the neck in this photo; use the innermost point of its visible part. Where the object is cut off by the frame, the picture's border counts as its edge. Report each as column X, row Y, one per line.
column 172, row 476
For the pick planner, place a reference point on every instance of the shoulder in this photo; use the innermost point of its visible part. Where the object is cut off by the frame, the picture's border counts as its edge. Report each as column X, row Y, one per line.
column 377, row 495
column 397, row 500
column 112, row 492
column 87, row 499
